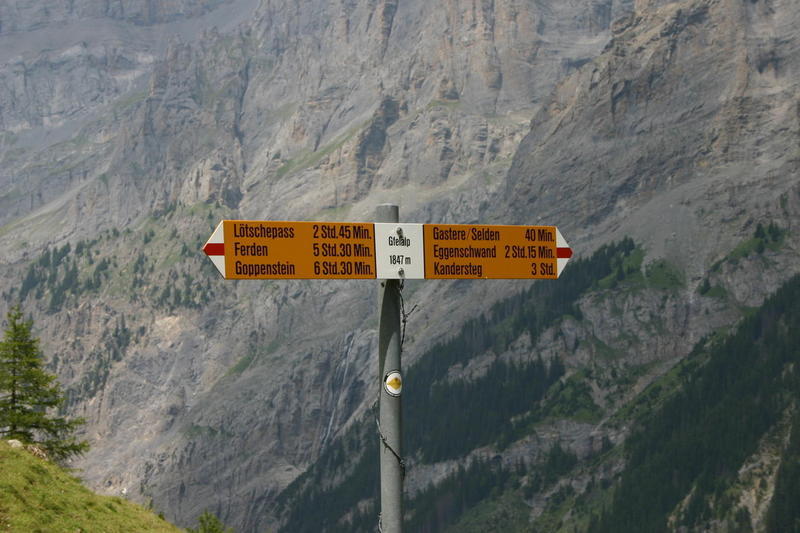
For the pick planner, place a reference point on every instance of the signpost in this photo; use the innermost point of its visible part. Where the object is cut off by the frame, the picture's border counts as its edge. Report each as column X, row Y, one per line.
column 255, row 249
column 389, row 251
column 248, row 249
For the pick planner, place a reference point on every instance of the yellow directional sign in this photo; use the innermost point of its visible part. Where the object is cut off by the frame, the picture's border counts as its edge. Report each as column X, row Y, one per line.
column 499, row 252
column 253, row 249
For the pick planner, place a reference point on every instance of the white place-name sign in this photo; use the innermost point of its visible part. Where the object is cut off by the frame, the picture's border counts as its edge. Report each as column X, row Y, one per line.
column 399, row 251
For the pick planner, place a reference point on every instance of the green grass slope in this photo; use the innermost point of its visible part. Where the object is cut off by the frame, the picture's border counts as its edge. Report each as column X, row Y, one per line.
column 39, row 496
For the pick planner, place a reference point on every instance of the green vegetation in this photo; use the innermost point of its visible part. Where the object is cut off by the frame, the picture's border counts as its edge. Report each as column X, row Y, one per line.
column 39, row 497
column 486, row 491
column 9, row 156
column 663, row 275
column 159, row 262
column 462, row 420
column 507, row 512
column 485, row 495
column 437, row 507
column 254, row 354
column 653, row 396
column 112, row 348
column 694, row 441
column 209, row 523
column 627, row 267
column 447, row 104
column 61, row 276
column 770, row 238
column 310, row 159
column 129, row 100
column 8, row 138
column 27, row 392
column 784, row 514
column 573, row 399
column 194, row 431
column 712, row 291
column 243, row 363
column 56, row 272
column 187, row 293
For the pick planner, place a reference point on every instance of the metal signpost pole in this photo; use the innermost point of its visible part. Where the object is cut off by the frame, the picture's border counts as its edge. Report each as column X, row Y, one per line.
column 391, row 383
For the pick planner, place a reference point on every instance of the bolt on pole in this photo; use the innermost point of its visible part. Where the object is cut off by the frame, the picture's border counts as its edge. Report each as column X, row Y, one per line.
column 391, row 381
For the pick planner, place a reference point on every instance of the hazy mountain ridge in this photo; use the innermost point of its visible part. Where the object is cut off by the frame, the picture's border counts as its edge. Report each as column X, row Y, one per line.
column 685, row 83
column 69, row 88
column 27, row 16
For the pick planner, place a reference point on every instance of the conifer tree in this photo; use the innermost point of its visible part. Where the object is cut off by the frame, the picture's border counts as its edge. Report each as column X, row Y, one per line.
column 209, row 523
column 28, row 395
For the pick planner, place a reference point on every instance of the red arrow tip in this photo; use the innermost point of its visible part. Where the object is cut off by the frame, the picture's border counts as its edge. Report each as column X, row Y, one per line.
column 563, row 253
column 214, row 248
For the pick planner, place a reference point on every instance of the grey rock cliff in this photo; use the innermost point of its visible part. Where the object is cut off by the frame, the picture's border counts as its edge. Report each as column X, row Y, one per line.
column 691, row 85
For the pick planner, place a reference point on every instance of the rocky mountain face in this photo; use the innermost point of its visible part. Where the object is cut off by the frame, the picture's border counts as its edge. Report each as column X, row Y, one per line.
column 71, row 73
column 129, row 129
column 698, row 89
